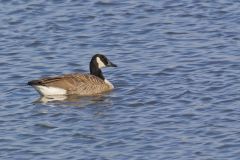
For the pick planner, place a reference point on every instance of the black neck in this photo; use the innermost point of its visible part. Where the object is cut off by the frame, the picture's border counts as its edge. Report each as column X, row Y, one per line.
column 94, row 70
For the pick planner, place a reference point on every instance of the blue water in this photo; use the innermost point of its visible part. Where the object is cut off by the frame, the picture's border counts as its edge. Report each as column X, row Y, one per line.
column 177, row 84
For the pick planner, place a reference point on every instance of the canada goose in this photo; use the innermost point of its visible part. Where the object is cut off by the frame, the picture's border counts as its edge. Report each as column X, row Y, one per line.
column 76, row 83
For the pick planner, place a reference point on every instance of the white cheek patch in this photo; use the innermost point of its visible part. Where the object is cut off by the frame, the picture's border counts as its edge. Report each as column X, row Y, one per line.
column 100, row 63
column 50, row 91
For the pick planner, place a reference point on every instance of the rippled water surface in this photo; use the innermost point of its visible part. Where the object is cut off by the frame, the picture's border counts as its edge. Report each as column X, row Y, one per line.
column 177, row 84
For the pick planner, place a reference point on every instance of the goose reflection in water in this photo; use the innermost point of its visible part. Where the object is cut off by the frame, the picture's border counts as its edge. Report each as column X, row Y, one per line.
column 75, row 99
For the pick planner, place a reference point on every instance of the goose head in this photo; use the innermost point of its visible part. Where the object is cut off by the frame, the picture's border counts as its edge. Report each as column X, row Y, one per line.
column 97, row 62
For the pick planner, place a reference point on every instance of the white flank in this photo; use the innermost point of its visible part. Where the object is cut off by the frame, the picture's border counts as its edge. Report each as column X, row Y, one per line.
column 100, row 63
column 50, row 91
column 109, row 83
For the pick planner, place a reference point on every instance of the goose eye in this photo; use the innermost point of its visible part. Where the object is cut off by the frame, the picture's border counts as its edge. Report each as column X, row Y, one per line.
column 104, row 59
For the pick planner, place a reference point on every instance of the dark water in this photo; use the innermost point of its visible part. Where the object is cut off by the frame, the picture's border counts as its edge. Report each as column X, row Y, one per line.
column 177, row 84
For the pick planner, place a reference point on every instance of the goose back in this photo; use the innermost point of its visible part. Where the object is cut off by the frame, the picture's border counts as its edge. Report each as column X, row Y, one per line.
column 81, row 84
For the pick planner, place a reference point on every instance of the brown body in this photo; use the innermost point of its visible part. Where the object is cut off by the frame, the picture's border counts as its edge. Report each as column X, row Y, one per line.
column 80, row 84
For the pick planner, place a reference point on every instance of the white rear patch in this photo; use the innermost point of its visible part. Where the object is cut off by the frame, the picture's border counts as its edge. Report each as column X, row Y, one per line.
column 109, row 83
column 100, row 63
column 50, row 91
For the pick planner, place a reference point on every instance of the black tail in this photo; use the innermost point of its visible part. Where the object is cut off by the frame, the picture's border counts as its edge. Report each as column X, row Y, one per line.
column 34, row 82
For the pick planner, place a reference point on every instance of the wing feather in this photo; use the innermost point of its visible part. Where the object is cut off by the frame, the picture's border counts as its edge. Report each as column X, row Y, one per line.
column 83, row 84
